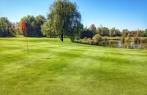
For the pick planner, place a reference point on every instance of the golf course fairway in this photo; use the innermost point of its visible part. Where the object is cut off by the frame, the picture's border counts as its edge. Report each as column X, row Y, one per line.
column 50, row 67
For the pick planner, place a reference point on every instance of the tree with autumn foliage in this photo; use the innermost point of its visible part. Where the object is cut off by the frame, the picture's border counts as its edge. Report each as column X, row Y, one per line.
column 32, row 25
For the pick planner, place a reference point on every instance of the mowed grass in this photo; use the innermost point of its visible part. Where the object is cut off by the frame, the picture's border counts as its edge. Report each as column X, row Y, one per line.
column 51, row 67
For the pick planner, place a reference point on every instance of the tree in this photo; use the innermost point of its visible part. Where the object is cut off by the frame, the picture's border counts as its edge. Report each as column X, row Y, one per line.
column 33, row 25
column 86, row 33
column 65, row 18
column 78, row 30
column 48, row 30
column 114, row 32
column 39, row 22
column 92, row 28
column 6, row 28
column 28, row 22
column 103, row 31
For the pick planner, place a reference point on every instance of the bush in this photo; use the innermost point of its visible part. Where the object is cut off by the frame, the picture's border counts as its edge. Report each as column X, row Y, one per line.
column 137, row 40
column 96, row 39
column 86, row 34
column 86, row 41
column 144, row 40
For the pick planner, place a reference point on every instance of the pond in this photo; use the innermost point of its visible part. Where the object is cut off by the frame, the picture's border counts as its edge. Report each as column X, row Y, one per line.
column 133, row 45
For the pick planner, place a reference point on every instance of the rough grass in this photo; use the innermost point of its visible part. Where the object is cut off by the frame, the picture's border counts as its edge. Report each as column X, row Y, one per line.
column 50, row 67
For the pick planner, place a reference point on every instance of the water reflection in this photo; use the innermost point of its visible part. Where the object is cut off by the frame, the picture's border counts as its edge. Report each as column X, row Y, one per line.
column 133, row 45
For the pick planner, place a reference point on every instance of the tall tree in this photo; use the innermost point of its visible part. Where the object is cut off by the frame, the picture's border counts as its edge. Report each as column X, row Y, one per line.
column 65, row 18
column 39, row 22
column 6, row 28
column 29, row 21
column 92, row 28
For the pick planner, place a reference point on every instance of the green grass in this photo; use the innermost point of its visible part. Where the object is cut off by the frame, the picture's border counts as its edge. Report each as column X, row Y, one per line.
column 50, row 67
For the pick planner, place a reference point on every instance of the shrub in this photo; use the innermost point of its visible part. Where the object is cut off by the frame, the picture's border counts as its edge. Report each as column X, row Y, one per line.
column 144, row 40
column 86, row 34
column 137, row 40
column 84, row 41
column 96, row 39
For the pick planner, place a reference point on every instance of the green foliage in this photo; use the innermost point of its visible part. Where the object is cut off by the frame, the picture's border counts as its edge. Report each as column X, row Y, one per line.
column 48, row 30
column 86, row 33
column 114, row 32
column 86, row 41
column 33, row 25
column 97, row 38
column 65, row 18
column 92, row 28
column 103, row 31
column 6, row 28
column 39, row 22
column 92, row 41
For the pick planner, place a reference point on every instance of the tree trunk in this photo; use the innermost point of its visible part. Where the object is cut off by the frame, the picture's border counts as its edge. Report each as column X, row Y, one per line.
column 62, row 36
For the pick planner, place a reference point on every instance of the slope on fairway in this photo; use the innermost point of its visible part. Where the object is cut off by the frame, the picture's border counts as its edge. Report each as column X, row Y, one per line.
column 50, row 67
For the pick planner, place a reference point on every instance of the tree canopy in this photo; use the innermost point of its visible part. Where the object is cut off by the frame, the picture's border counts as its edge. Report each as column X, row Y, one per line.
column 33, row 25
column 64, row 18
column 6, row 28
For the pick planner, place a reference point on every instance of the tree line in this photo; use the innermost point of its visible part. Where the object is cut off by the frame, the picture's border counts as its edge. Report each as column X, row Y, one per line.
column 6, row 28
column 63, row 20
column 109, row 32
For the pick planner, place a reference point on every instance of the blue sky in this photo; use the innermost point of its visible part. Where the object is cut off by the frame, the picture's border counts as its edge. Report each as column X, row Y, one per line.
column 131, row 14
